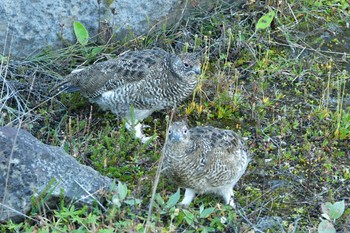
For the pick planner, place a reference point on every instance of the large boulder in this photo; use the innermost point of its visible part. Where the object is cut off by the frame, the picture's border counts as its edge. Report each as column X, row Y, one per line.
column 30, row 25
column 30, row 168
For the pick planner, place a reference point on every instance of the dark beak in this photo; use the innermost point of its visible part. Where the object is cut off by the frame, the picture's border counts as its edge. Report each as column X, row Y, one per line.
column 197, row 70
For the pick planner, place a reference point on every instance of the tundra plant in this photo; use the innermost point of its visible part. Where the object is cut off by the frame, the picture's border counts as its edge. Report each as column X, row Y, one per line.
column 331, row 212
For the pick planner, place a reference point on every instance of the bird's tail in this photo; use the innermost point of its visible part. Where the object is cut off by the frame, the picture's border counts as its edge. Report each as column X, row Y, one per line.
column 65, row 86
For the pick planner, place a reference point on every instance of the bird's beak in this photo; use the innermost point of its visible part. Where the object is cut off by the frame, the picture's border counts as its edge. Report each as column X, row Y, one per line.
column 197, row 70
column 175, row 137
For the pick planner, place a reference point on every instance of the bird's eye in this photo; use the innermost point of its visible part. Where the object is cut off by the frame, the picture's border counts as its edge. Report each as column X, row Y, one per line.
column 185, row 131
column 186, row 64
column 170, row 132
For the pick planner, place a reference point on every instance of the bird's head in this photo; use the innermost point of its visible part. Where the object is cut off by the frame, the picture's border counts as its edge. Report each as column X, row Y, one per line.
column 187, row 65
column 178, row 133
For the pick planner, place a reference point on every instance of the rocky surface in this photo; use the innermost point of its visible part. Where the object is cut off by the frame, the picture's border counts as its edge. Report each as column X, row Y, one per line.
column 29, row 168
column 30, row 25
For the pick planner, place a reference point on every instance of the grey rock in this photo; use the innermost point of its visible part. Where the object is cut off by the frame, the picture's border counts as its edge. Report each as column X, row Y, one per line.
column 30, row 25
column 27, row 166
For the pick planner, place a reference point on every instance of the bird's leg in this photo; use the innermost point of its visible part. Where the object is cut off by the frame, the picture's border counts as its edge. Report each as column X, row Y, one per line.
column 227, row 194
column 138, row 131
column 189, row 195
column 139, row 134
column 133, row 119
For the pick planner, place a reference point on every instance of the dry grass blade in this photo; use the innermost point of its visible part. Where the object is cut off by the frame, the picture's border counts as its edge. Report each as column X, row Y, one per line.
column 156, row 180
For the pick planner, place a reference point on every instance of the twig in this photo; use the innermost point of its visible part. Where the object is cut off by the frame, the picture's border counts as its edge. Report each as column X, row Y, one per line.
column 318, row 51
column 241, row 213
column 18, row 212
column 90, row 195
column 156, row 180
column 296, row 225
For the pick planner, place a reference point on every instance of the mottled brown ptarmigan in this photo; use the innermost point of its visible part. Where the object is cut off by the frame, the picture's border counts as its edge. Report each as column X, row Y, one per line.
column 204, row 160
column 137, row 83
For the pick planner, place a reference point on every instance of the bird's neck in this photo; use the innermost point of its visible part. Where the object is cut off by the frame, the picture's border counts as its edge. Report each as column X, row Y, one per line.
column 179, row 151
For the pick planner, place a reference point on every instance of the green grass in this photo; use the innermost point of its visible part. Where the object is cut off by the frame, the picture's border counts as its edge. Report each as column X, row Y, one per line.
column 285, row 88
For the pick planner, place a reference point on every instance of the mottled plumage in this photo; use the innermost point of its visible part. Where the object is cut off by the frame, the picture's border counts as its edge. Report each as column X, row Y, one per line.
column 204, row 160
column 137, row 81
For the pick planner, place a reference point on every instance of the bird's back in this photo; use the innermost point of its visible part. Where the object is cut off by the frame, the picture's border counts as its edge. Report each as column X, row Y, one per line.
column 215, row 158
column 129, row 67
column 145, row 81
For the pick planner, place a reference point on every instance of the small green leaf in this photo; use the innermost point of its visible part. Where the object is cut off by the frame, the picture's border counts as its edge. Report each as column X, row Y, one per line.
column 106, row 231
column 173, row 199
column 122, row 190
column 201, row 208
column 189, row 217
column 188, row 214
column 133, row 202
column 116, row 201
column 96, row 50
column 159, row 200
column 81, row 33
column 206, row 212
column 3, row 58
column 326, row 227
column 265, row 21
column 335, row 210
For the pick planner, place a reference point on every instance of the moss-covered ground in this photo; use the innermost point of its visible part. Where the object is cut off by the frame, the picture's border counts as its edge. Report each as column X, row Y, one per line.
column 284, row 87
